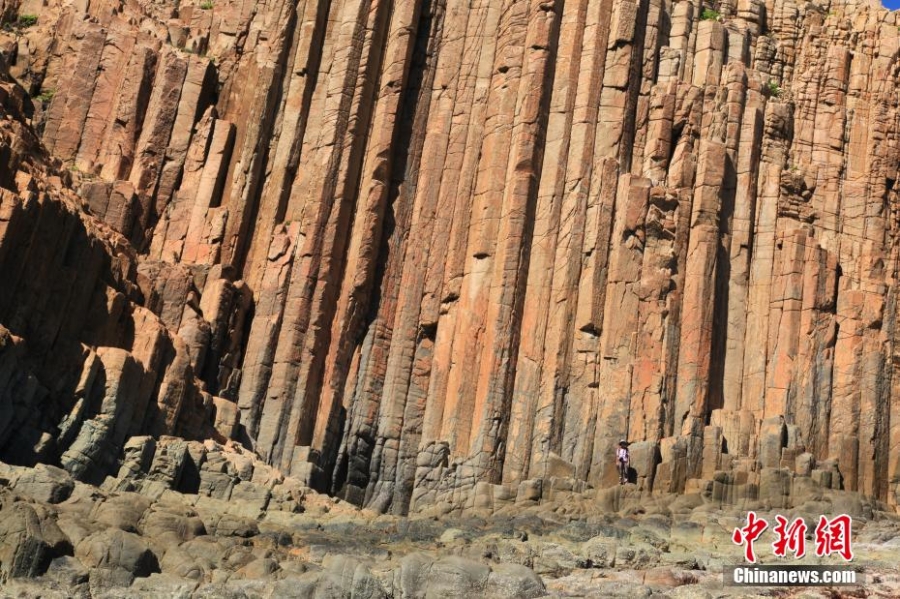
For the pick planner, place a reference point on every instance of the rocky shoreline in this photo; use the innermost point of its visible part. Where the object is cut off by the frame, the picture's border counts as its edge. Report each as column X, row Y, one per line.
column 247, row 531
column 370, row 243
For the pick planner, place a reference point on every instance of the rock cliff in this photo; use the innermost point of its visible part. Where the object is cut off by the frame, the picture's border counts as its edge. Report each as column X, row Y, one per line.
column 437, row 252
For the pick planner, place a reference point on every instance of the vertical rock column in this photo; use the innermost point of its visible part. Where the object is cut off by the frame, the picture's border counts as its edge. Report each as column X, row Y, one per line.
column 695, row 347
column 465, row 70
column 380, row 448
column 618, row 337
column 250, row 96
column 742, row 236
column 156, row 131
column 364, row 245
column 289, row 130
column 555, row 261
column 776, row 144
column 592, row 392
column 514, row 234
column 477, row 360
column 327, row 198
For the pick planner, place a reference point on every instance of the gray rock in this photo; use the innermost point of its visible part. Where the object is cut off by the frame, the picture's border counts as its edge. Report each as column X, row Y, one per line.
column 207, row 548
column 248, row 500
column 67, row 572
column 217, row 477
column 256, row 569
column 116, row 549
column 29, row 540
column 344, row 576
column 76, row 527
column 104, row 580
column 601, row 551
column 170, row 523
column 137, row 456
column 413, row 576
column 637, row 555
column 230, row 525
column 556, row 560
column 162, row 585
column 512, row 581
column 47, row 484
column 456, row 577
column 298, row 587
column 235, row 558
column 168, row 461
column 123, row 511
column 645, row 535
column 235, row 589
column 178, row 563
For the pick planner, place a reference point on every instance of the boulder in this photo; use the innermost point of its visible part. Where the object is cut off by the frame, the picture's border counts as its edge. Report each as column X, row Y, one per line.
column 47, row 484
column 513, row 581
column 115, row 549
column 29, row 540
column 456, row 577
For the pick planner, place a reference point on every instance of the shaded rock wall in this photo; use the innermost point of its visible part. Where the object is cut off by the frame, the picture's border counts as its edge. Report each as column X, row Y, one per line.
column 84, row 365
column 430, row 248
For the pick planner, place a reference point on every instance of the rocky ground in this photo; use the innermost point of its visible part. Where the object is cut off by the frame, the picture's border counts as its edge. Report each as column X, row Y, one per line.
column 437, row 258
column 403, row 247
column 249, row 532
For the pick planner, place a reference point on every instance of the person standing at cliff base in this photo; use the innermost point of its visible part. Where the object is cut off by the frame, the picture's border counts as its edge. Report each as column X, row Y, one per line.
column 622, row 461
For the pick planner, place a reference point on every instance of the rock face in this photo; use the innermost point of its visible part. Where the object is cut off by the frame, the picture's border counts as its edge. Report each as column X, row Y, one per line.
column 449, row 253
column 83, row 365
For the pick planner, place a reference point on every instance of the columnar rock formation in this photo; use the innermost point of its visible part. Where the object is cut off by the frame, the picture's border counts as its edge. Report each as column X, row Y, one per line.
column 425, row 248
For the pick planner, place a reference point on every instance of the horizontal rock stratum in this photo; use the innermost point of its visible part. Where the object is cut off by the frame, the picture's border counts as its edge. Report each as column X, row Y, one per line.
column 449, row 252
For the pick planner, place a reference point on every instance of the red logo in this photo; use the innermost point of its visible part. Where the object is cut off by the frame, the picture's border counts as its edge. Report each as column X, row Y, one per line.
column 834, row 536
column 748, row 534
column 790, row 537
